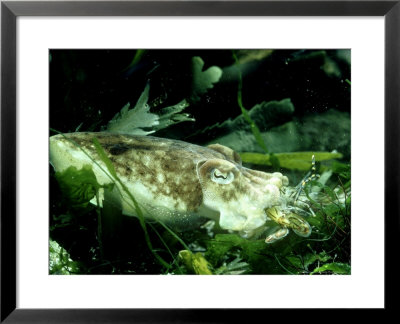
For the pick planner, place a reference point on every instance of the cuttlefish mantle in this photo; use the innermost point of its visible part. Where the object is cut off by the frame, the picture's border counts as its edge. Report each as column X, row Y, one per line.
column 176, row 181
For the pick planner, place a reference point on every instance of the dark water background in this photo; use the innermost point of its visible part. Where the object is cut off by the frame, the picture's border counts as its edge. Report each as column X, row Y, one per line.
column 86, row 82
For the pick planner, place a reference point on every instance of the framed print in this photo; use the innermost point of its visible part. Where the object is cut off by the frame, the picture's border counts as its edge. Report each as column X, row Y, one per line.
column 190, row 155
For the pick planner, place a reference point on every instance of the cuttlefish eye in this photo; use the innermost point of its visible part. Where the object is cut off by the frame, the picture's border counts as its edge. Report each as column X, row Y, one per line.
column 222, row 177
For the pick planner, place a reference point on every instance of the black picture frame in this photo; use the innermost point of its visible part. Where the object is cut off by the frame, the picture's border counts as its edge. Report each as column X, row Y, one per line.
column 10, row 10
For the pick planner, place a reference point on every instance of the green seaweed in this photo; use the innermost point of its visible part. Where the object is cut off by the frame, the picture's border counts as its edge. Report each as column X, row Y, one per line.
column 319, row 253
column 133, row 121
column 60, row 262
column 334, row 267
column 235, row 267
column 140, row 121
column 293, row 160
column 136, row 59
column 301, row 264
column 78, row 186
column 253, row 127
column 139, row 212
column 257, row 254
column 265, row 115
column 195, row 262
column 202, row 81
column 171, row 115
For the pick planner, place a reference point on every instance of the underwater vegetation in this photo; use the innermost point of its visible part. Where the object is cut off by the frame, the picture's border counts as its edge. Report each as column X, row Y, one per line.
column 273, row 126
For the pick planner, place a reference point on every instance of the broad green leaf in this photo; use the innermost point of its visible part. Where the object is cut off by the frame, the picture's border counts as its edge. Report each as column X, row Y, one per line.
column 295, row 161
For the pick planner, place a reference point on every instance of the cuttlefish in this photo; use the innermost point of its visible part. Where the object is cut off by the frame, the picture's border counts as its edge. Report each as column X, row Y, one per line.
column 176, row 181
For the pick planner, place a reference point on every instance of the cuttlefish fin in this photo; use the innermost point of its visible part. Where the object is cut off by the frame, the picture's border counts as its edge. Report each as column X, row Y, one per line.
column 230, row 220
column 228, row 153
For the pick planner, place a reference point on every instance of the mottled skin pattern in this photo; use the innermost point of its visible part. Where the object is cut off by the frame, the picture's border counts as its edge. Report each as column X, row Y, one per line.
column 174, row 179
